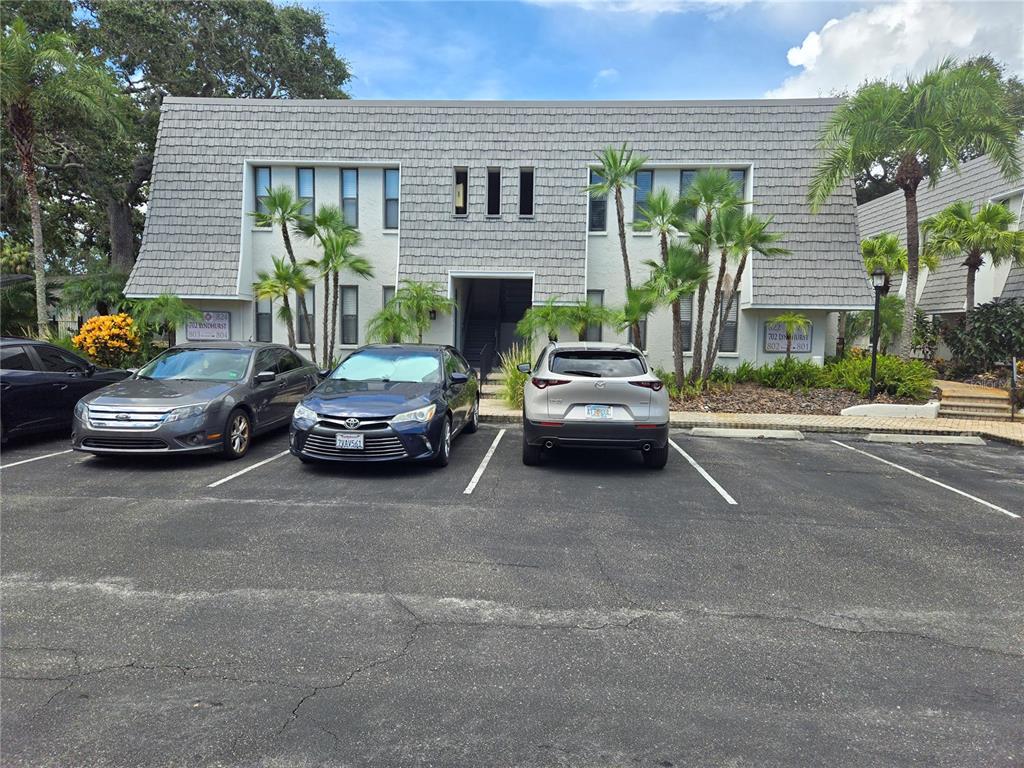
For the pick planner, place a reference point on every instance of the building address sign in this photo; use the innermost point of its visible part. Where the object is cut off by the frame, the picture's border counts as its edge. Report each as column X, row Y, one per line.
column 212, row 326
column 775, row 338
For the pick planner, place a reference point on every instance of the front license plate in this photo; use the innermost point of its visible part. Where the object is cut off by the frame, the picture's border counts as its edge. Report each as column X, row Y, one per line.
column 599, row 411
column 349, row 441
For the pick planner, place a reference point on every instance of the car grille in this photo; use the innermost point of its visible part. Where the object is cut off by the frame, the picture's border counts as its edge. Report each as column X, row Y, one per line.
column 126, row 417
column 125, row 443
column 374, row 447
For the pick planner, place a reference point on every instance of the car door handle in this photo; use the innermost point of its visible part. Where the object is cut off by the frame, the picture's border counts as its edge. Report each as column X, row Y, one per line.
column 61, row 387
column 5, row 387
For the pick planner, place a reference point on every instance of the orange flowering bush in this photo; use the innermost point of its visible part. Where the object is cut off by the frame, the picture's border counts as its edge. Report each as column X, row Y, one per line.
column 108, row 339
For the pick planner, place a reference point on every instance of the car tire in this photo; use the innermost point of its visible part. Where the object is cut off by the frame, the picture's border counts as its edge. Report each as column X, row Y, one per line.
column 473, row 423
column 531, row 453
column 444, row 447
column 656, row 458
column 237, row 435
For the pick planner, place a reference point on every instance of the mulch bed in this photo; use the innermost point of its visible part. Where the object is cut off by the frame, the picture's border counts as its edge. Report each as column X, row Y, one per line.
column 751, row 398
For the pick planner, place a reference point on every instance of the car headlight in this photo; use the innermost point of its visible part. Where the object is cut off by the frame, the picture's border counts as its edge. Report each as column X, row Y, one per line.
column 185, row 412
column 303, row 417
column 421, row 415
column 81, row 410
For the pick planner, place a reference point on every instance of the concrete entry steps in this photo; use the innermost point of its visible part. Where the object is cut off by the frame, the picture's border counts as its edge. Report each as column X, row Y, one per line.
column 969, row 401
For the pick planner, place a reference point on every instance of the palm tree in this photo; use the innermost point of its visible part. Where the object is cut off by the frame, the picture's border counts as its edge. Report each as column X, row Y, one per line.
column 279, row 284
column 924, row 124
column 390, row 326
column 711, row 194
column 163, row 314
column 885, row 252
column 682, row 271
column 617, row 168
column 548, row 317
column 418, row 300
column 725, row 230
column 43, row 80
column 640, row 302
column 751, row 236
column 282, row 209
column 792, row 322
column 327, row 219
column 582, row 314
column 958, row 231
column 338, row 258
column 101, row 289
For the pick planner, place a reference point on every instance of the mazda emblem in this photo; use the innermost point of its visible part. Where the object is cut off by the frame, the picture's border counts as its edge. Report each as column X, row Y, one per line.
column 599, row 384
column 351, row 423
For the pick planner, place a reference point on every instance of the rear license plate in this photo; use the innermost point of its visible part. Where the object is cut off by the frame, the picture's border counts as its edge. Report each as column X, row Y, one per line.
column 349, row 441
column 599, row 411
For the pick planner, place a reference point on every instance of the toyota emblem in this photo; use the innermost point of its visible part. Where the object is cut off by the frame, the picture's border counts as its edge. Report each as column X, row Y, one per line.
column 351, row 423
column 599, row 384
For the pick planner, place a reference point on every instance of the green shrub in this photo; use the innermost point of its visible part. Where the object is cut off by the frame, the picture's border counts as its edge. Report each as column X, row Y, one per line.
column 722, row 375
column 515, row 380
column 993, row 334
column 911, row 379
column 746, row 373
column 789, row 373
column 668, row 378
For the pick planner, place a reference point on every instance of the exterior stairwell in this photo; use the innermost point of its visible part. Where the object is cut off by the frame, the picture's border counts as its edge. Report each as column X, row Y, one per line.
column 968, row 401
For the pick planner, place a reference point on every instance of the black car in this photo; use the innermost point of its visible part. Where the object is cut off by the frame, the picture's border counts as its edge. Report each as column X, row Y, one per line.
column 40, row 384
column 389, row 402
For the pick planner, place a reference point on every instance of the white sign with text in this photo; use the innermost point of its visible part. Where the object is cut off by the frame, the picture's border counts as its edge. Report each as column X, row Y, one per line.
column 775, row 338
column 214, row 326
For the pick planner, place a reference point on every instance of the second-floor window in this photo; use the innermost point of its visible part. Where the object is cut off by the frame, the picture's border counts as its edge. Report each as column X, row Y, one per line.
column 738, row 176
column 598, row 206
column 686, row 179
column 526, row 191
column 304, row 183
column 261, row 186
column 461, row 191
column 391, row 198
column 642, row 193
column 494, row 191
column 350, row 196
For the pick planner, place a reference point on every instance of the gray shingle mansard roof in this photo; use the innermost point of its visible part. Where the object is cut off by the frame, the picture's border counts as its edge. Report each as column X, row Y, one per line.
column 192, row 237
column 979, row 181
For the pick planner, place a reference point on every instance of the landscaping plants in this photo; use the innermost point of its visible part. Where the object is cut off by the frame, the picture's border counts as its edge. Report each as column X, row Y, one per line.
column 515, row 380
column 110, row 340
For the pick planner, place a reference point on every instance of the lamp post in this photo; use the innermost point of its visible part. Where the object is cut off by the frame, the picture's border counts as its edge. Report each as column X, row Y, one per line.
column 878, row 282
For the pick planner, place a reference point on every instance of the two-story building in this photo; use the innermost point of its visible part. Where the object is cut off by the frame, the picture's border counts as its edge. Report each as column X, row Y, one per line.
column 488, row 201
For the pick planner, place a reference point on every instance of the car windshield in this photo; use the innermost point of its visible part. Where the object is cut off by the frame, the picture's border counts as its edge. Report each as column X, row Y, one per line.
column 199, row 365
column 391, row 365
column 597, row 363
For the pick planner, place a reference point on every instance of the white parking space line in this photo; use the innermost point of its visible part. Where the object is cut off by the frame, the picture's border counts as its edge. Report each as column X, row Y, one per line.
column 484, row 462
column 257, row 465
column 711, row 481
column 928, row 479
column 34, row 458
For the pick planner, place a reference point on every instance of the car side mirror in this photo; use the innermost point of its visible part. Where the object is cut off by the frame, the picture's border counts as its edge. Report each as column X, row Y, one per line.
column 523, row 367
column 323, row 373
column 458, row 377
column 90, row 370
column 264, row 377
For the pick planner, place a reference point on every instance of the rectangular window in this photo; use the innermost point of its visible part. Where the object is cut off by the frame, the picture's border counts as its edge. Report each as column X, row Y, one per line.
column 686, row 321
column 494, row 191
column 391, row 198
column 644, row 186
column 738, row 176
column 598, row 206
column 593, row 331
column 300, row 326
column 350, row 196
column 730, row 324
column 686, row 178
column 461, row 191
column 387, row 293
column 261, row 185
column 304, row 183
column 349, row 314
column 264, row 320
column 526, row 191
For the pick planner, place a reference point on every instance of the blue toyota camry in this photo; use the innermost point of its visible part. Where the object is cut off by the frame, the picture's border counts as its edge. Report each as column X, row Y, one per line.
column 389, row 402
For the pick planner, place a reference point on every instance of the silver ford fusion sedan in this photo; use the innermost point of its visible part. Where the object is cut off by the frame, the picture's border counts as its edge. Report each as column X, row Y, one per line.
column 211, row 396
column 597, row 395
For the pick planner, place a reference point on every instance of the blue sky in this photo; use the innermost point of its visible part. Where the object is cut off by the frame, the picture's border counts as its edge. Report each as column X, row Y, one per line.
column 655, row 49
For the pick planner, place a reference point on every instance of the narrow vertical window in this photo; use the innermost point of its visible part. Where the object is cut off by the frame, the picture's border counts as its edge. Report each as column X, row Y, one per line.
column 730, row 324
column 641, row 194
column 526, row 191
column 686, row 178
column 264, row 320
column 738, row 176
column 387, row 293
column 593, row 330
column 461, row 191
column 304, row 183
column 349, row 314
column 310, row 313
column 494, row 191
column 261, row 187
column 350, row 196
column 686, row 321
column 598, row 206
column 391, row 198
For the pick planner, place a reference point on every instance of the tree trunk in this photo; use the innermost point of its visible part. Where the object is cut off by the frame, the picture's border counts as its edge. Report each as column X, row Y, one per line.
column 789, row 345
column 38, row 253
column 716, row 306
column 122, row 235
column 620, row 212
column 327, row 297
column 291, row 320
column 908, row 178
column 678, row 358
column 334, row 314
column 973, row 264
column 841, row 336
column 698, row 339
column 728, row 305
column 300, row 298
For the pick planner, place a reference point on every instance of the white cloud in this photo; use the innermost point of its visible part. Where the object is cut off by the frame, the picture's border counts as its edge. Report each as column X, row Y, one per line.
column 607, row 75
column 895, row 40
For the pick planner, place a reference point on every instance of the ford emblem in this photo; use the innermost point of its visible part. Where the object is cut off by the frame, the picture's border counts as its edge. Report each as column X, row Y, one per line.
column 122, row 417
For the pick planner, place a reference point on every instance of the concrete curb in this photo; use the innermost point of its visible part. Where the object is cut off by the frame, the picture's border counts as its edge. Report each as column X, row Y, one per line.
column 882, row 437
column 773, row 434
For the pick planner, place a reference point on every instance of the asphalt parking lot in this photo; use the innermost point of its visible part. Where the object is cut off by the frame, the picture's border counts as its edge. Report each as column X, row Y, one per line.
column 770, row 603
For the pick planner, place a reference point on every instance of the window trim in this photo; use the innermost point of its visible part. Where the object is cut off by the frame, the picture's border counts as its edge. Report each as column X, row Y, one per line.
column 311, row 198
column 398, row 203
column 257, row 205
column 341, row 194
column 383, row 294
column 532, row 170
column 636, row 187
column 493, row 170
column 342, row 315
column 591, row 199
column 455, row 183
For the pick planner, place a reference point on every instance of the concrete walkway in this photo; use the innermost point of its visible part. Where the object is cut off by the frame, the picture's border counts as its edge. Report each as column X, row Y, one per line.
column 495, row 411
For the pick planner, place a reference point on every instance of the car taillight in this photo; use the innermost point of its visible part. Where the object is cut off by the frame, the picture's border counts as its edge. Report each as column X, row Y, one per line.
column 544, row 383
column 654, row 385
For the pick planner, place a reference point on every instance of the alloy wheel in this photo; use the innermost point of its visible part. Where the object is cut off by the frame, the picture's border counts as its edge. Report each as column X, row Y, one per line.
column 447, row 440
column 239, row 433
